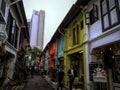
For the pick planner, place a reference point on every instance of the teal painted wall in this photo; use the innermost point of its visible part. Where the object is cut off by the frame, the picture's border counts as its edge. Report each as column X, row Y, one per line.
column 60, row 47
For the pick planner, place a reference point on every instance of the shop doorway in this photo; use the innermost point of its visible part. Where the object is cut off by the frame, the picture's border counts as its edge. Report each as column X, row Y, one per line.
column 61, row 63
column 112, row 64
column 77, row 61
column 116, row 73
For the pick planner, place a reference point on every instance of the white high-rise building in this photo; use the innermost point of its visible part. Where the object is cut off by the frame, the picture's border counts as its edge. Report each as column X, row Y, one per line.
column 37, row 29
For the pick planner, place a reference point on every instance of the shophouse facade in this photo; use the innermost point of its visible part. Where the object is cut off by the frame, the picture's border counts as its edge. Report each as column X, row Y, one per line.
column 42, row 60
column 70, row 45
column 60, row 48
column 53, row 48
column 92, row 43
column 46, row 58
column 103, row 40
column 74, row 46
column 75, row 37
column 13, row 22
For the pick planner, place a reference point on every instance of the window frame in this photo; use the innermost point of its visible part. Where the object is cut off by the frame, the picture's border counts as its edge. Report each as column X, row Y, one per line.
column 12, row 30
column 93, row 14
column 9, row 26
column 81, row 25
column 108, row 13
column 3, row 6
column 75, row 34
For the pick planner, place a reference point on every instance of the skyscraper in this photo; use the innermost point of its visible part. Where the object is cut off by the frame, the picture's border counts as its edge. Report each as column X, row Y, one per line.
column 37, row 29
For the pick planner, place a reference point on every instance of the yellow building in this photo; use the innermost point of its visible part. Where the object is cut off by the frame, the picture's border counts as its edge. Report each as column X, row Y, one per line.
column 74, row 51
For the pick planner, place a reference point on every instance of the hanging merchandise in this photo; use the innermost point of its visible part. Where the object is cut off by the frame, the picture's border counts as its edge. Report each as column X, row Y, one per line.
column 99, row 75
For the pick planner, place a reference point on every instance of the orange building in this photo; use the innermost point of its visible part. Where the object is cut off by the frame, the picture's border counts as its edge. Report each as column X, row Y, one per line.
column 53, row 54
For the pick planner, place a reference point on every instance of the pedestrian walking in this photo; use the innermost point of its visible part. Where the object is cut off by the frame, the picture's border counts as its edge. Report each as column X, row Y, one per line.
column 71, row 73
column 60, row 77
column 31, row 67
column 42, row 72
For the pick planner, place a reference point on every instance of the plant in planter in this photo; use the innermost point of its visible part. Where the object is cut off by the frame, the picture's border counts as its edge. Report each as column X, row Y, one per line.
column 2, row 49
column 2, row 53
column 20, row 66
column 3, row 63
column 91, row 85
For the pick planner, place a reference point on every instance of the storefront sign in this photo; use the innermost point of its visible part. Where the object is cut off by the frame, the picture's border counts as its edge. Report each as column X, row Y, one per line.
column 99, row 79
column 100, row 75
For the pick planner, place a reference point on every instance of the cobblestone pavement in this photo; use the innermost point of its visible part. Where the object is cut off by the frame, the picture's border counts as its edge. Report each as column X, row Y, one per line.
column 37, row 83
column 54, row 85
column 42, row 83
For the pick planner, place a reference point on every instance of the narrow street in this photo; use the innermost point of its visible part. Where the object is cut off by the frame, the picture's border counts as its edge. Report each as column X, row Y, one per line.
column 65, row 44
column 37, row 83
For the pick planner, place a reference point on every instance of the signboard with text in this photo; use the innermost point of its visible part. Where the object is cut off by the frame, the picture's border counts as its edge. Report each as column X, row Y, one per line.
column 99, row 79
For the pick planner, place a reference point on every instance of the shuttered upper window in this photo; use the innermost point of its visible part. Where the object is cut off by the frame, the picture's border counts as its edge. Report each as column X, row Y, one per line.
column 94, row 14
column 110, row 13
column 76, row 35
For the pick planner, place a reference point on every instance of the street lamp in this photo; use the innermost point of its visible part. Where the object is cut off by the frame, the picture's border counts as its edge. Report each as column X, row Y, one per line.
column 3, row 34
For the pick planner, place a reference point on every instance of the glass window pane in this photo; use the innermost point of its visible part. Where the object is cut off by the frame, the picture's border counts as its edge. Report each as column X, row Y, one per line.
column 77, row 34
column 75, row 37
column 119, row 4
column 111, row 4
column 104, row 7
column 106, row 21
column 81, row 25
column 74, row 40
column 113, row 16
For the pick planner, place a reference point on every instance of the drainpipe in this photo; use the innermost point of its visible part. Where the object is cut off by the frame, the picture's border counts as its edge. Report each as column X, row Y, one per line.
column 60, row 32
column 18, row 40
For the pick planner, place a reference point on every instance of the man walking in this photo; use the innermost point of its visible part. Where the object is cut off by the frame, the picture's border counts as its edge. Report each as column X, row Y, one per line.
column 60, row 77
column 71, row 73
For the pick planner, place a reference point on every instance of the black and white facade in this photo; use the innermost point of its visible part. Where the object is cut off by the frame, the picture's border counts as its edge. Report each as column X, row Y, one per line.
column 14, row 25
column 103, row 44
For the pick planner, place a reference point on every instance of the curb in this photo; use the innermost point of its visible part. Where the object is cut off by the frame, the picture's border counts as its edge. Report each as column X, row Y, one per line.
column 50, row 83
column 21, row 87
column 53, row 84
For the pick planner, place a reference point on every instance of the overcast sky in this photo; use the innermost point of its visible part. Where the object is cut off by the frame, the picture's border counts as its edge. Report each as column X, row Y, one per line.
column 55, row 11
